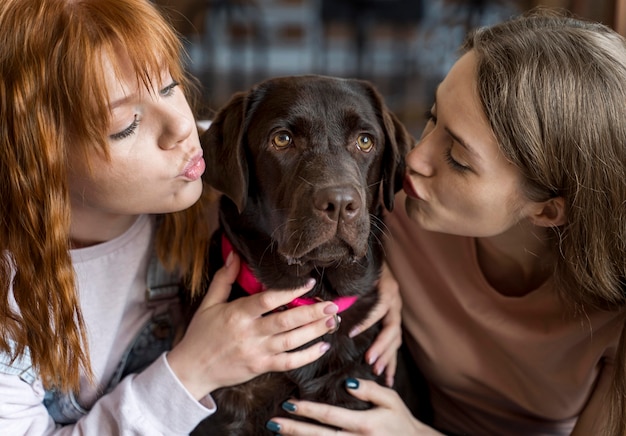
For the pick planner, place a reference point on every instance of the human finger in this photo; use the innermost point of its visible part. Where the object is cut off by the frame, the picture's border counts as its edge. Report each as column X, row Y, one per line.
column 222, row 282
column 335, row 417
column 272, row 299
column 291, row 427
column 375, row 315
column 390, row 371
column 389, row 302
column 287, row 321
column 370, row 391
column 288, row 360
column 382, row 354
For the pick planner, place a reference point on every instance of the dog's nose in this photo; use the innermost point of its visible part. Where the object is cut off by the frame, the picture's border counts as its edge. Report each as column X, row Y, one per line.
column 338, row 202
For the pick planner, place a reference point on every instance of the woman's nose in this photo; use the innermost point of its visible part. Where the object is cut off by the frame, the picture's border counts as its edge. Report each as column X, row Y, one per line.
column 420, row 160
column 176, row 128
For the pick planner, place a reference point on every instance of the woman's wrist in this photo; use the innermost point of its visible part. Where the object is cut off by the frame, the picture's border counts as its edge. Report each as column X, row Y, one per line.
column 185, row 375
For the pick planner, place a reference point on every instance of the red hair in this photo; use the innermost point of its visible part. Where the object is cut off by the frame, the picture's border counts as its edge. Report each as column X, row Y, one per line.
column 54, row 102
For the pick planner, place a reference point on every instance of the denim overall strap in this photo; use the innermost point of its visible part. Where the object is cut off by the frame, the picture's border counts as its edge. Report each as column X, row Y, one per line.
column 63, row 410
column 156, row 337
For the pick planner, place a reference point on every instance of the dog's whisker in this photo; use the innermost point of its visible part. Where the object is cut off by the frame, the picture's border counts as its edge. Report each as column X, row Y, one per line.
column 306, row 181
column 300, row 238
column 268, row 248
column 375, row 183
column 279, row 227
column 384, row 232
column 380, row 225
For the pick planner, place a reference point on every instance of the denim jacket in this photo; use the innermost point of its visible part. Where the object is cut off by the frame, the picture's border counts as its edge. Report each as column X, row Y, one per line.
column 157, row 336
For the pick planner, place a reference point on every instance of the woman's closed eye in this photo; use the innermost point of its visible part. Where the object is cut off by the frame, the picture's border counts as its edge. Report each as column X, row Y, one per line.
column 452, row 162
column 132, row 128
column 127, row 131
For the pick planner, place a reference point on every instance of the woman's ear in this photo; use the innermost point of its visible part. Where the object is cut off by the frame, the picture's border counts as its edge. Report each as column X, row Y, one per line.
column 550, row 213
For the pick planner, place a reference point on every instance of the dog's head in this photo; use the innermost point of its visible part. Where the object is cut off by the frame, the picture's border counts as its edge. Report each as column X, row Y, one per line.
column 309, row 159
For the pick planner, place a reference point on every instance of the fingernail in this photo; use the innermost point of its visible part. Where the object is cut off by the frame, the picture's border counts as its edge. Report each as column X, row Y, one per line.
column 229, row 259
column 331, row 309
column 324, row 347
column 355, row 331
column 352, row 383
column 331, row 323
column 272, row 426
column 378, row 370
column 310, row 282
column 289, row 407
column 372, row 359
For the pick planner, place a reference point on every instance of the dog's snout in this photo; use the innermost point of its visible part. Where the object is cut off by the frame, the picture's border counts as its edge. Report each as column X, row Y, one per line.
column 338, row 203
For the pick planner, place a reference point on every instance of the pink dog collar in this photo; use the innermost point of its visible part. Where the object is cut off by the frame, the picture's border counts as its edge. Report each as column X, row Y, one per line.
column 251, row 285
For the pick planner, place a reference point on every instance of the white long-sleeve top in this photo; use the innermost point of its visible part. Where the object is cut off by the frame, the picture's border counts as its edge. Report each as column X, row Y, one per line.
column 111, row 281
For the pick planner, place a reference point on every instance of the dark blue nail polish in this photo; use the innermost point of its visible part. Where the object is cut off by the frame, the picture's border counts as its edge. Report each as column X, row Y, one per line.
column 272, row 426
column 352, row 383
column 289, row 407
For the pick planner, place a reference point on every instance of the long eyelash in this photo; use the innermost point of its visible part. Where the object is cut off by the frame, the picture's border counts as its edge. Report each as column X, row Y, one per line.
column 127, row 131
column 453, row 163
column 169, row 89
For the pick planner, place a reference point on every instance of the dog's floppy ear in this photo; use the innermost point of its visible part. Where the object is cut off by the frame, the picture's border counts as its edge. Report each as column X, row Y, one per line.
column 226, row 166
column 398, row 142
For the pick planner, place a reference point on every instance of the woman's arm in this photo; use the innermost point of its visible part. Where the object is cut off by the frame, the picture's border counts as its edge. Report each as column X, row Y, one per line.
column 225, row 344
column 382, row 354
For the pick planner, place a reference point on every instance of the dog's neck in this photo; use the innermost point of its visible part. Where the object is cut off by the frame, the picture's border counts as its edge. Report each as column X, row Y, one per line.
column 249, row 283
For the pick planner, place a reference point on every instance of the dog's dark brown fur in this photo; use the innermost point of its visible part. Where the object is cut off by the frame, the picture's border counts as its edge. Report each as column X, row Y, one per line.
column 304, row 197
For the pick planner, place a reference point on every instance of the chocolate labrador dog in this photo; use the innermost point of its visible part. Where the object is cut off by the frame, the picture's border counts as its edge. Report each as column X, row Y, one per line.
column 307, row 166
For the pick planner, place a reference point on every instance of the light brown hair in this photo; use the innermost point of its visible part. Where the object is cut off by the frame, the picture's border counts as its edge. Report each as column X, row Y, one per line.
column 554, row 91
column 53, row 104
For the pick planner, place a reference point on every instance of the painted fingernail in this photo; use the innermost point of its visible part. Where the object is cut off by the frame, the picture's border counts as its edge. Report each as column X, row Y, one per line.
column 310, row 282
column 272, row 426
column 378, row 370
column 355, row 331
column 331, row 309
column 352, row 383
column 324, row 347
column 229, row 259
column 289, row 407
column 372, row 359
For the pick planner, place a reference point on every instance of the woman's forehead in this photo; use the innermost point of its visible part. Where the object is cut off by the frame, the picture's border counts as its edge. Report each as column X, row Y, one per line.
column 459, row 106
column 124, row 79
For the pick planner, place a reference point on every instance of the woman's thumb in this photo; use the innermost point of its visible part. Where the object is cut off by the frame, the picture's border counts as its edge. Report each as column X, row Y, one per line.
column 221, row 284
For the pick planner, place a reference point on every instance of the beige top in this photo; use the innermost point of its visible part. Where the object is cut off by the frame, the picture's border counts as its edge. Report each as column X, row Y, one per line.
column 496, row 365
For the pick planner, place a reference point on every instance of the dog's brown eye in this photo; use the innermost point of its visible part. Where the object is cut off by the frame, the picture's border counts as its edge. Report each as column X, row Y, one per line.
column 281, row 140
column 365, row 143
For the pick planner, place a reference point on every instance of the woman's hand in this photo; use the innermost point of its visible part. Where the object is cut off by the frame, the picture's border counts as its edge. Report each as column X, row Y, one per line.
column 389, row 416
column 383, row 352
column 228, row 343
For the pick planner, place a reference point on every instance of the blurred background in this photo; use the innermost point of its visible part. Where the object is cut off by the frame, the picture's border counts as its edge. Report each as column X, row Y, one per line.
column 404, row 47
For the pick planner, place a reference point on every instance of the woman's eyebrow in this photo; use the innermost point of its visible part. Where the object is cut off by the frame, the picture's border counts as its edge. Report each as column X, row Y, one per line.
column 463, row 143
column 121, row 101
